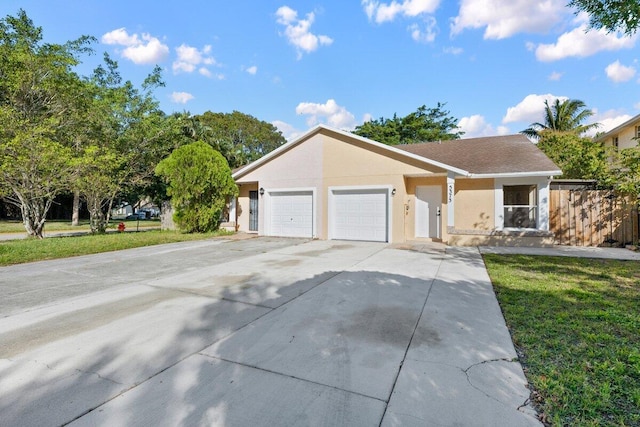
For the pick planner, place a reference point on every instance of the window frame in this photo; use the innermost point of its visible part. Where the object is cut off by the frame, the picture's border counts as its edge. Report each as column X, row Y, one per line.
column 532, row 208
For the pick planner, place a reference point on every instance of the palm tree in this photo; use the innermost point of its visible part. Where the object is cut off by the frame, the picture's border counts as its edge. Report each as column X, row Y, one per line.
column 565, row 116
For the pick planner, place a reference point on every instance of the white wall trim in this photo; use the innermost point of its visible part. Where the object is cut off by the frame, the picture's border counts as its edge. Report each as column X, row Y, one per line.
column 542, row 183
column 331, row 205
column 451, row 197
column 266, row 202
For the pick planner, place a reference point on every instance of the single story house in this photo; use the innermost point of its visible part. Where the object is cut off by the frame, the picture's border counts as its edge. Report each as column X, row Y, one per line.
column 332, row 184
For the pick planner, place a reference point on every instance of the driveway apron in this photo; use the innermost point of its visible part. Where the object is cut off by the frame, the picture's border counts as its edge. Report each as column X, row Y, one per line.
column 279, row 332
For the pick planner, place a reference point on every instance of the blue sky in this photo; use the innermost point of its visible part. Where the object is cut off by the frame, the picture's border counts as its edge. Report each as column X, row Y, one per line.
column 299, row 63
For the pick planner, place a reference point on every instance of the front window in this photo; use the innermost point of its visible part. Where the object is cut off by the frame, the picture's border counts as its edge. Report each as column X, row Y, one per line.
column 616, row 142
column 520, row 206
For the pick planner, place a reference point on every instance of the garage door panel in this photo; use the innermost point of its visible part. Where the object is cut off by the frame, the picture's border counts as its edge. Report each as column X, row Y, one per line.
column 360, row 215
column 291, row 214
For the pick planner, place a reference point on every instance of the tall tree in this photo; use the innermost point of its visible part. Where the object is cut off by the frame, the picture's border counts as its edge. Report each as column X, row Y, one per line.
column 563, row 116
column 241, row 138
column 39, row 95
column 578, row 157
column 200, row 184
column 423, row 125
column 126, row 136
column 612, row 15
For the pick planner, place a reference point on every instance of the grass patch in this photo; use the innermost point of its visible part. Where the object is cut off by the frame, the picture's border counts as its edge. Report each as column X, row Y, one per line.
column 29, row 250
column 576, row 325
column 10, row 226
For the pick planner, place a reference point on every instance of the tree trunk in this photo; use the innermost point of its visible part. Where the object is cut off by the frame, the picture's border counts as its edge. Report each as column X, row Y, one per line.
column 97, row 221
column 75, row 216
column 166, row 216
column 33, row 217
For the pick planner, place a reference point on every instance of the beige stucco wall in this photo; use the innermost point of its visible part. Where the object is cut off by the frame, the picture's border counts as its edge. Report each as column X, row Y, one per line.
column 474, row 204
column 327, row 160
column 356, row 164
column 300, row 167
column 625, row 137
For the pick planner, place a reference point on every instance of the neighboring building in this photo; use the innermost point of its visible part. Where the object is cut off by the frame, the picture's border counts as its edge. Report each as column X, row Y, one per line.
column 331, row 184
column 624, row 136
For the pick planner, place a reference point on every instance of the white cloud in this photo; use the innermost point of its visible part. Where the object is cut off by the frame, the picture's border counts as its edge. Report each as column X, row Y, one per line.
column 120, row 37
column 181, row 97
column 191, row 58
column 555, row 76
column 504, row 18
column 297, row 31
column 329, row 112
column 384, row 12
column 530, row 109
column 428, row 35
column 452, row 50
column 140, row 49
column 476, row 126
column 608, row 120
column 252, row 70
column 289, row 132
column 619, row 73
column 582, row 43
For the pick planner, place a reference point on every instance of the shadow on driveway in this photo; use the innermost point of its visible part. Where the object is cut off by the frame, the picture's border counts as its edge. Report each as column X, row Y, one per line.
column 355, row 346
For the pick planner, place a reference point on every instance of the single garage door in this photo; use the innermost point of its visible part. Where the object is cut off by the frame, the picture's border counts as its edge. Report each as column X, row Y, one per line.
column 291, row 214
column 360, row 215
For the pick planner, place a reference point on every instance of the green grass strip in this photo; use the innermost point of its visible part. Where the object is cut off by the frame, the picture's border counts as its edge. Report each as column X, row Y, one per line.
column 12, row 226
column 576, row 325
column 29, row 250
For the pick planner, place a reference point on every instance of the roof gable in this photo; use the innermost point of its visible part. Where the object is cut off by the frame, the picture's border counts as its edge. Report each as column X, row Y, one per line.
column 238, row 173
column 488, row 156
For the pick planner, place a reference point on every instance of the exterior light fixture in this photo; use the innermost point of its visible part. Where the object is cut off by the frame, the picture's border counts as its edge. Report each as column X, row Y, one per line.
column 393, row 192
column 261, row 191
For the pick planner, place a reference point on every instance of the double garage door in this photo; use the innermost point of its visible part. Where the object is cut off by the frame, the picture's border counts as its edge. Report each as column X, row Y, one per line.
column 359, row 214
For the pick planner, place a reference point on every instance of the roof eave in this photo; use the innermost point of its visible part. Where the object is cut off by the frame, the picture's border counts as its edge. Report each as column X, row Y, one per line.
column 550, row 173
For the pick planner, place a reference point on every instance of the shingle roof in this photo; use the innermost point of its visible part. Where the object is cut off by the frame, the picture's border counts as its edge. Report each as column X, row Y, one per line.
column 488, row 155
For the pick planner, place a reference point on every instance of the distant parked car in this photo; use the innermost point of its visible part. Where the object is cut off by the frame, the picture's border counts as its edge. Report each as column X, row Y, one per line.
column 135, row 216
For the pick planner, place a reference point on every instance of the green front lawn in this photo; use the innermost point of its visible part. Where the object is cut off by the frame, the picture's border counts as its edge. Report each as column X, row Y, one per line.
column 7, row 226
column 28, row 250
column 576, row 325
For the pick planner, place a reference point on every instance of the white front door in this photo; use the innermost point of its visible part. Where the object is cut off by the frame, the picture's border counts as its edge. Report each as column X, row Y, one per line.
column 428, row 205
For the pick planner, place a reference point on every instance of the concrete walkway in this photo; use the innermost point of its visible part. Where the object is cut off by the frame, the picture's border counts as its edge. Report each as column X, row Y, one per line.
column 567, row 251
column 258, row 332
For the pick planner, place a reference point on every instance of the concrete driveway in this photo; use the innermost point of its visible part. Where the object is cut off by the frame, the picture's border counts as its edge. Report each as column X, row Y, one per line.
column 256, row 332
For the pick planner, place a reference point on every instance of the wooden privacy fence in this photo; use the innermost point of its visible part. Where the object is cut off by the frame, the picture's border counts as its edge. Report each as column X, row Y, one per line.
column 588, row 217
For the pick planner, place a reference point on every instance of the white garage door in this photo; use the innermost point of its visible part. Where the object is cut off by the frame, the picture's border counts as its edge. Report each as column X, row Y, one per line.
column 360, row 215
column 291, row 214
